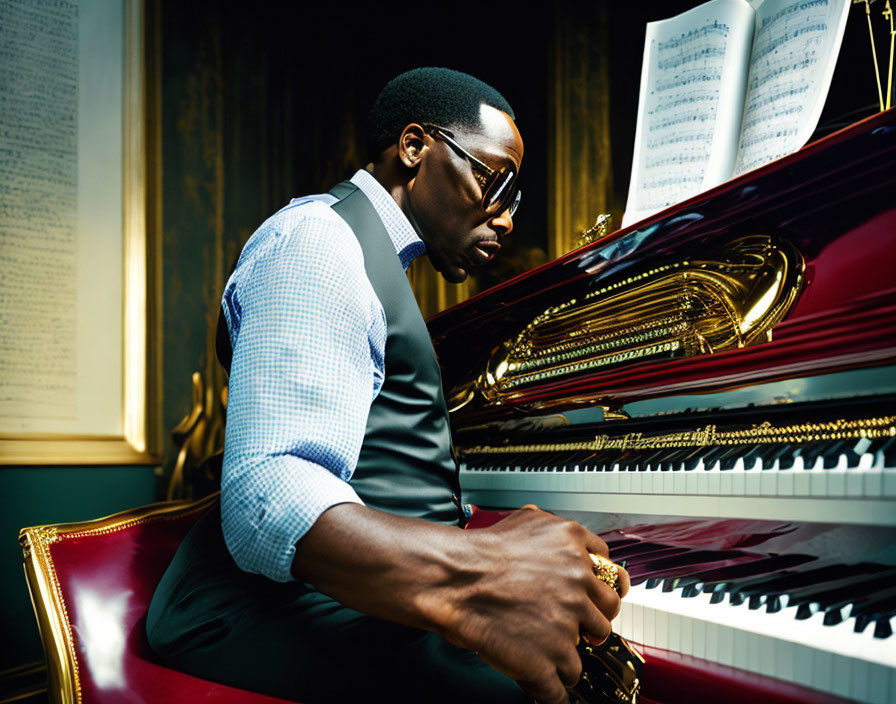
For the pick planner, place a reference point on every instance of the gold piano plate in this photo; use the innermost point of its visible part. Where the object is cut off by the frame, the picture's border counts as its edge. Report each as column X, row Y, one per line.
column 731, row 299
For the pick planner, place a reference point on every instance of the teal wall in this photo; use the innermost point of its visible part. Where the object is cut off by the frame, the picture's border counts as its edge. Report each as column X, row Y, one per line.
column 39, row 495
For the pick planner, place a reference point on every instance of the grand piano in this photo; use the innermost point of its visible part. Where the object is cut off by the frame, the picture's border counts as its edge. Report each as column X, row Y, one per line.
column 713, row 390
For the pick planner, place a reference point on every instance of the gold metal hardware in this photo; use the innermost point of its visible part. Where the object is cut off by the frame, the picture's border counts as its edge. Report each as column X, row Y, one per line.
column 710, row 435
column 731, row 299
column 600, row 229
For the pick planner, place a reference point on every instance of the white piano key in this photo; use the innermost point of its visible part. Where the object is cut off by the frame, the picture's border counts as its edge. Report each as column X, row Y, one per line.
column 767, row 650
column 860, row 681
column 739, row 484
column 889, row 483
column 836, row 481
column 784, row 656
column 768, row 483
column 785, row 481
column 637, row 627
column 854, row 483
column 753, row 484
column 879, row 685
column 802, row 482
column 636, row 482
column 648, row 627
column 726, row 483
column 818, row 483
column 612, row 482
column 674, row 633
column 752, row 650
column 713, row 481
column 711, row 646
column 699, row 642
column 726, row 645
column 822, row 666
column 840, row 680
column 668, row 478
column 693, row 483
column 873, row 483
column 660, row 628
column 802, row 664
column 687, row 636
column 680, row 483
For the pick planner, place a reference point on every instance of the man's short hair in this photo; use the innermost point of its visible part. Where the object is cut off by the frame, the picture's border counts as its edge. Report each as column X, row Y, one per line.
column 439, row 96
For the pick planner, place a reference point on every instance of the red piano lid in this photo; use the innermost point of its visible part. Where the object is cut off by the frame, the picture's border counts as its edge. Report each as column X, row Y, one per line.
column 832, row 201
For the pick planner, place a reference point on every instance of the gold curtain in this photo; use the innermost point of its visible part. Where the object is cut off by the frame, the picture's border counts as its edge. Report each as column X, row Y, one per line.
column 579, row 174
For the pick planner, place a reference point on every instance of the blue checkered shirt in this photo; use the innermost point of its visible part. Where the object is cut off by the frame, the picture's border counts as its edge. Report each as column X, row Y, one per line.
column 309, row 339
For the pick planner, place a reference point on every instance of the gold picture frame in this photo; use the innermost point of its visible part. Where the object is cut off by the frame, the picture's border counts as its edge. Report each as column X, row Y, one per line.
column 138, row 442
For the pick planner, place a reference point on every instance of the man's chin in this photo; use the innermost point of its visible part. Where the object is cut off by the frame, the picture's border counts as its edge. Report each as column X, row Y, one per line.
column 451, row 274
column 455, row 276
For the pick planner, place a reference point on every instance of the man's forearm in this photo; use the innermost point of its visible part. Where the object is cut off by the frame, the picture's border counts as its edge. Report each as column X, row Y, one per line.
column 519, row 593
column 397, row 568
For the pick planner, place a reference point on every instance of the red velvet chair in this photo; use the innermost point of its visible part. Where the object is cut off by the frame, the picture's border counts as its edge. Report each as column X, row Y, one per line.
column 91, row 584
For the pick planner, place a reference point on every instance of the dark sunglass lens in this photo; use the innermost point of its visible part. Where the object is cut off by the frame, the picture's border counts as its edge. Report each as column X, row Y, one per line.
column 499, row 192
column 515, row 203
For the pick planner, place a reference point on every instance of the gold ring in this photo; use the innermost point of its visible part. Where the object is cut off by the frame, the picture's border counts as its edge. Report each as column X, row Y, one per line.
column 605, row 570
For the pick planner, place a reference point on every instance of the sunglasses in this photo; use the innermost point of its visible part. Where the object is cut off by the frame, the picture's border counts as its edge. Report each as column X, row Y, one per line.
column 499, row 191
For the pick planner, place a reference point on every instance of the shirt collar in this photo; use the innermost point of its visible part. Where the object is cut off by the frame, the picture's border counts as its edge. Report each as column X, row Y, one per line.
column 408, row 245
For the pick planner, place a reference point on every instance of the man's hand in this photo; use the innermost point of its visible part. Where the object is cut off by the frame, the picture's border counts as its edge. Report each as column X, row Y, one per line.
column 536, row 592
column 519, row 593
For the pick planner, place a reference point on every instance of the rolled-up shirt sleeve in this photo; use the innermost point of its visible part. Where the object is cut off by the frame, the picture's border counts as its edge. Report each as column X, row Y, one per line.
column 308, row 336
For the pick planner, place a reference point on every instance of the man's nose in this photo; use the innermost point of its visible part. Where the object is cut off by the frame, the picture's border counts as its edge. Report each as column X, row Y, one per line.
column 502, row 223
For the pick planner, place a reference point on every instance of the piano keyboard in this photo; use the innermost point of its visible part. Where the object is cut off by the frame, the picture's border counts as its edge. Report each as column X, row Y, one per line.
column 819, row 622
column 857, row 485
column 758, row 463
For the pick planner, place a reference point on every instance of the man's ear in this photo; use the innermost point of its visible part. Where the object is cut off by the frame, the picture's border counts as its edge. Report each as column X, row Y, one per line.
column 411, row 145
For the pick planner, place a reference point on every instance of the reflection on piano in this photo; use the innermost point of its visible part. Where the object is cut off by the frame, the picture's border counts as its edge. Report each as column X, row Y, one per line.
column 714, row 391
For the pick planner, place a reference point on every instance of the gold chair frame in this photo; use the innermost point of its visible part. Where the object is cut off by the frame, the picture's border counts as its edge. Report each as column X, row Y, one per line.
column 64, row 686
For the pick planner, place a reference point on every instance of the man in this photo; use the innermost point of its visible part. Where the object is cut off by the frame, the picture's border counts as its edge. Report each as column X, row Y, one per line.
column 336, row 570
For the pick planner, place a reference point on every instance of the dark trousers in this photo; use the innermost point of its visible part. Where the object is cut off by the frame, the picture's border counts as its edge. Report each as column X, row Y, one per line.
column 212, row 620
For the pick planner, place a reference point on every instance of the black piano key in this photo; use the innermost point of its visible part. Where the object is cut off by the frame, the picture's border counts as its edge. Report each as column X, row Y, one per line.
column 850, row 587
column 751, row 455
column 882, row 628
column 691, row 459
column 773, row 604
column 726, row 576
column 709, row 459
column 805, row 611
column 810, row 454
column 755, row 602
column 784, row 455
column 812, row 573
column 882, row 602
column 832, row 453
column 677, row 458
column 769, row 452
column 889, row 453
column 833, row 617
column 862, row 621
column 736, row 599
column 730, row 458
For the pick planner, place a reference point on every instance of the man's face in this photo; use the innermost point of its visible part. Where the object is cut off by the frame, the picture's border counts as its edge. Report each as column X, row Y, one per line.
column 445, row 197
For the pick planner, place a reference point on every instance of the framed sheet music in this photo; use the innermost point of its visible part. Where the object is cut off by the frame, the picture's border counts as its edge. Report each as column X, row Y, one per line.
column 73, row 234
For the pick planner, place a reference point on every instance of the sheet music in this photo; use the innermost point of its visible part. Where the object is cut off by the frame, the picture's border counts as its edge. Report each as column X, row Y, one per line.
column 38, row 208
column 795, row 49
column 692, row 85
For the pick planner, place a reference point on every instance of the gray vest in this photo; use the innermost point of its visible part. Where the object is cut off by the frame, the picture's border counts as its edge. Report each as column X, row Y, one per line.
column 406, row 464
